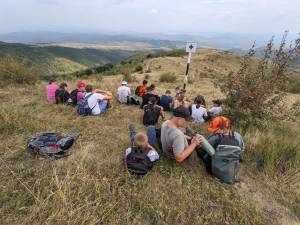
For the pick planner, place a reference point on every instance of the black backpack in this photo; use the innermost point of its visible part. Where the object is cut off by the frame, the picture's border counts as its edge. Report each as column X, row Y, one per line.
column 151, row 115
column 73, row 97
column 51, row 145
column 137, row 161
column 61, row 96
column 137, row 90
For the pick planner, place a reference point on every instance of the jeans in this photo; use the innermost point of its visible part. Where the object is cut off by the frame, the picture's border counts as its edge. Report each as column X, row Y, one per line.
column 102, row 106
column 151, row 134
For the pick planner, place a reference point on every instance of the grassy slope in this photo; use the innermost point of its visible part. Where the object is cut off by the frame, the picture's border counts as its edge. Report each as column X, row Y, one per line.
column 92, row 187
column 58, row 59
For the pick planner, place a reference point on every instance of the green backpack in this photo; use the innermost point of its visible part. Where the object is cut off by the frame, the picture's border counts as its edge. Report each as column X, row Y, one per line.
column 225, row 161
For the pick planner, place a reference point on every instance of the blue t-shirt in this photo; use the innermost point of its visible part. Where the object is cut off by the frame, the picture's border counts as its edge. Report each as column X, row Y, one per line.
column 165, row 102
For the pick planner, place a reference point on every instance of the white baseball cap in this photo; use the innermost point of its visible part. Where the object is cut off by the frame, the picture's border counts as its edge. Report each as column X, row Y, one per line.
column 124, row 83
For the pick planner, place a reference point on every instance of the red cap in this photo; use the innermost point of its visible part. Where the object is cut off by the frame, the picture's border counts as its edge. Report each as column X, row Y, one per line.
column 219, row 122
column 81, row 84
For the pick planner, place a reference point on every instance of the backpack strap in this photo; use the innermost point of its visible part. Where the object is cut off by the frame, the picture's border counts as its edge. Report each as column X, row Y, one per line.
column 87, row 97
column 231, row 133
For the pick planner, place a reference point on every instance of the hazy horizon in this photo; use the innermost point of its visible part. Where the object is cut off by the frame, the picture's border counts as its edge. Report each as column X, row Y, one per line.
column 192, row 17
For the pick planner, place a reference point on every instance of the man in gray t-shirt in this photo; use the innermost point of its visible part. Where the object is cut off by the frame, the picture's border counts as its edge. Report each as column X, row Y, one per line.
column 173, row 140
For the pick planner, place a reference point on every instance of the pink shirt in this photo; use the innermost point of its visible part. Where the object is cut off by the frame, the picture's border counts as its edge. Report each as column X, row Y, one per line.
column 51, row 88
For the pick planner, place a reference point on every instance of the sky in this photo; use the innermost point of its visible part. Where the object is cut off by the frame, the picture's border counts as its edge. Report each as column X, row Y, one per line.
column 151, row 16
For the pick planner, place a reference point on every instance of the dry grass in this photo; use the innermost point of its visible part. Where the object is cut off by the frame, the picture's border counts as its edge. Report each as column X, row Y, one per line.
column 92, row 187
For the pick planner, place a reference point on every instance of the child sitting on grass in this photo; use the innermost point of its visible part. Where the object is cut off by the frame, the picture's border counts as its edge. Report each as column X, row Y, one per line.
column 141, row 157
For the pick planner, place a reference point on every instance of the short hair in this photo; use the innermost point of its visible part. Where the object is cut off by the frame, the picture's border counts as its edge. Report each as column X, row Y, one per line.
column 52, row 80
column 145, row 82
column 63, row 85
column 217, row 102
column 88, row 88
column 177, row 88
column 182, row 91
column 141, row 140
column 168, row 92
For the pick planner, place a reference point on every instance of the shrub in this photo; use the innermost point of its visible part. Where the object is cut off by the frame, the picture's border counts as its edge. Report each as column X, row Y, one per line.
column 14, row 73
column 167, row 77
column 127, row 76
column 146, row 77
column 255, row 92
column 139, row 68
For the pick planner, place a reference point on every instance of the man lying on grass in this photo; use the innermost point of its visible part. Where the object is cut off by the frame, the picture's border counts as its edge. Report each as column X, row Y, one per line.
column 174, row 141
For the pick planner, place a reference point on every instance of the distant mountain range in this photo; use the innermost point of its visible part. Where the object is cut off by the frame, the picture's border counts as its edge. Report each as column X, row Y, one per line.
column 104, row 39
column 58, row 59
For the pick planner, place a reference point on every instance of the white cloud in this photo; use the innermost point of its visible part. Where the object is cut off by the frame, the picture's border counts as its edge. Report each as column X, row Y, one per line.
column 194, row 16
column 154, row 11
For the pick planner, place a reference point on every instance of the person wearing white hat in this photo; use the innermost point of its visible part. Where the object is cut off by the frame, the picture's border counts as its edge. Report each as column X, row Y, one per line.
column 124, row 94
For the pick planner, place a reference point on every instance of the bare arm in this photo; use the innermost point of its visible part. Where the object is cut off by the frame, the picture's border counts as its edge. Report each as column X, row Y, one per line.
column 107, row 97
column 100, row 91
column 187, row 151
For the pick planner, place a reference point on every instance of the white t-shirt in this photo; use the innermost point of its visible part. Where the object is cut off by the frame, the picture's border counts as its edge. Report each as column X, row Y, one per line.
column 215, row 111
column 93, row 102
column 152, row 154
column 123, row 92
column 197, row 114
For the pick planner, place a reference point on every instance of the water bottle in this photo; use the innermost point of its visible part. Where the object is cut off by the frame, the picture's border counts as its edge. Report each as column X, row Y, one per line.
column 207, row 147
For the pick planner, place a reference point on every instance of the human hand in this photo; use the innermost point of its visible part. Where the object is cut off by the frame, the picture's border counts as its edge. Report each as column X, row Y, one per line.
column 197, row 139
column 188, row 137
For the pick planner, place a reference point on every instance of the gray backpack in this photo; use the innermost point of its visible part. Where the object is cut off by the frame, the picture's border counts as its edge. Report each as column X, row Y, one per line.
column 225, row 162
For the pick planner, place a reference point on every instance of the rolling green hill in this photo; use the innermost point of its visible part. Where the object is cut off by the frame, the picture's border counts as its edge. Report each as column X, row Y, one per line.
column 58, row 59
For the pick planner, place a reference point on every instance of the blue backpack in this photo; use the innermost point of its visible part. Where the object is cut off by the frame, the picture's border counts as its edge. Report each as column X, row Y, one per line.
column 83, row 108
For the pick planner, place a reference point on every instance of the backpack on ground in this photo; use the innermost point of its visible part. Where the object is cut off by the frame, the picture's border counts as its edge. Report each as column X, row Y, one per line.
column 133, row 100
column 151, row 115
column 225, row 161
column 51, row 145
column 83, row 108
column 137, row 91
column 137, row 161
column 73, row 97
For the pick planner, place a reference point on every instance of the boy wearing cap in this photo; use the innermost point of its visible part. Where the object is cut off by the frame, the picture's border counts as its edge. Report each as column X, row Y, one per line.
column 152, row 111
column 174, row 141
column 220, row 129
column 221, row 125
column 124, row 94
column 151, row 92
column 78, row 93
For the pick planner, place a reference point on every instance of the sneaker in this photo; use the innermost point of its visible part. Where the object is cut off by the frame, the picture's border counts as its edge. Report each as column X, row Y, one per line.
column 109, row 107
column 131, row 128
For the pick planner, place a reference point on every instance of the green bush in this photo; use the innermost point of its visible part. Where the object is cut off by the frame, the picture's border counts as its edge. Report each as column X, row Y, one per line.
column 167, row 77
column 14, row 73
column 255, row 91
column 139, row 68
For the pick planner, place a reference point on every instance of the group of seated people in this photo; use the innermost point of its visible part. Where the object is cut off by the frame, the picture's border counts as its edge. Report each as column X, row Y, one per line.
column 154, row 106
column 175, row 144
column 170, row 138
column 98, row 100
